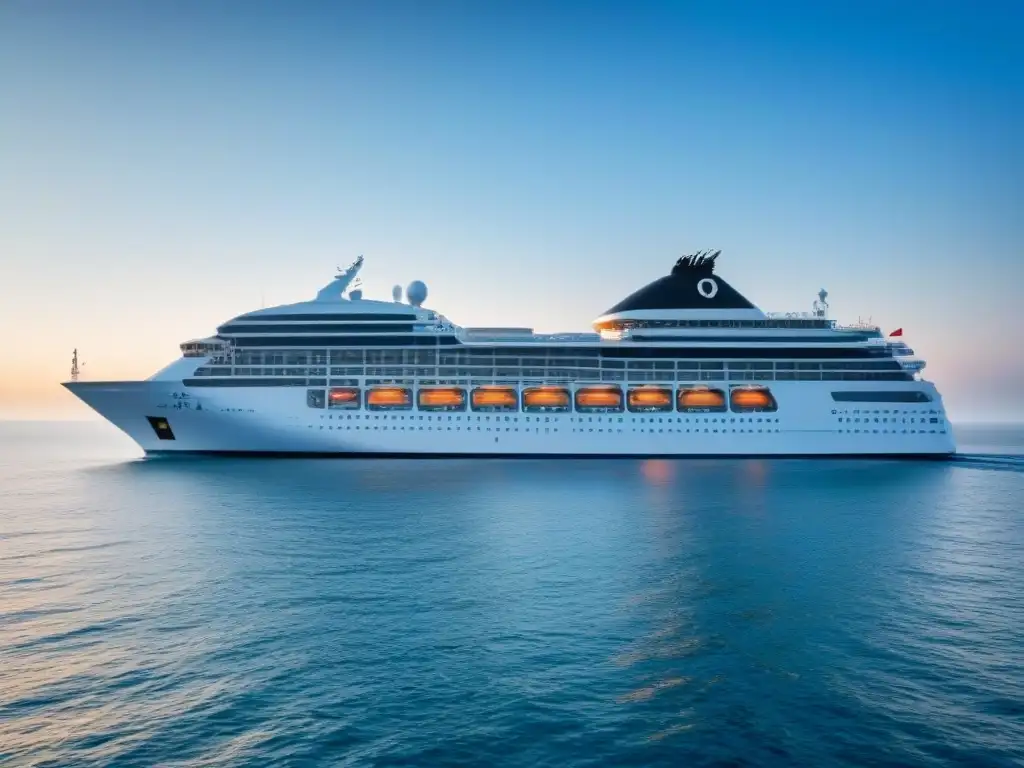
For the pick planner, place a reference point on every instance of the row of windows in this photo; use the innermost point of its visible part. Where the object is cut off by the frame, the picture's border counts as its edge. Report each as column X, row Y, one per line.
column 498, row 419
column 619, row 431
column 900, row 396
column 559, row 374
column 752, row 339
column 502, row 359
column 375, row 316
column 547, row 399
column 246, row 369
column 547, row 430
column 886, row 420
column 624, row 351
column 201, row 348
column 894, row 411
column 270, row 381
column 414, row 340
column 232, row 328
column 686, row 369
column 507, row 423
column 789, row 322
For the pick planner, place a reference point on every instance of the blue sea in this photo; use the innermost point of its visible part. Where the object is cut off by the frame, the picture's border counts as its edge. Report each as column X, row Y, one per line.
column 228, row 612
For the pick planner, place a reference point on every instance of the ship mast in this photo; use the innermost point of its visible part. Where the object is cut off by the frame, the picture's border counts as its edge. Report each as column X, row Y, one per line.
column 820, row 307
column 333, row 290
column 74, row 365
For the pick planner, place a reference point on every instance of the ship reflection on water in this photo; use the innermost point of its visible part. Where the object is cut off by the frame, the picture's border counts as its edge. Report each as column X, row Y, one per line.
column 657, row 471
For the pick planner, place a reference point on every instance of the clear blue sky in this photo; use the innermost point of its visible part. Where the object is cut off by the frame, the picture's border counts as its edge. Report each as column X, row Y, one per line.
column 165, row 166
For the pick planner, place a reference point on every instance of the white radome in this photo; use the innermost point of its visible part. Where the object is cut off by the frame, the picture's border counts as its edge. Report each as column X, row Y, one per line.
column 416, row 293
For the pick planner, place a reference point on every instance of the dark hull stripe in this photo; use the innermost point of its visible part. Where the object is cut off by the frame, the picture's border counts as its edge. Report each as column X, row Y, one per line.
column 305, row 342
column 372, row 317
column 676, row 456
column 314, row 328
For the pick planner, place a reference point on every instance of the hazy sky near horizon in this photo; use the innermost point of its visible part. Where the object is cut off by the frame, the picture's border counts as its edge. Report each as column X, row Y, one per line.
column 166, row 166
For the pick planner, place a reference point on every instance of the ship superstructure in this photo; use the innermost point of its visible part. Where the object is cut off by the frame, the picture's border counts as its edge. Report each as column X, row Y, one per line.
column 684, row 366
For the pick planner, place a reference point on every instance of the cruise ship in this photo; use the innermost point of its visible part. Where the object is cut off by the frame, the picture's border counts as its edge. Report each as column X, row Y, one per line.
column 684, row 366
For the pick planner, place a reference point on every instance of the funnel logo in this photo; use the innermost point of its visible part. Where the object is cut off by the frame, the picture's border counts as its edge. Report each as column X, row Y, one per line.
column 707, row 288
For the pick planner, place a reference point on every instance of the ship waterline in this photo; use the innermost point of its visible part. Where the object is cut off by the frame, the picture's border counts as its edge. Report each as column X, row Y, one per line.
column 680, row 368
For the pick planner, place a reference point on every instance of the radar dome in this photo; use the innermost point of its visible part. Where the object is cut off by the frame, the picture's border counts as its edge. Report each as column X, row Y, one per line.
column 356, row 294
column 396, row 293
column 416, row 292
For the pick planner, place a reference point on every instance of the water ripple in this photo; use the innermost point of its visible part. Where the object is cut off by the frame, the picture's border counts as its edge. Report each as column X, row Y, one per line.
column 222, row 613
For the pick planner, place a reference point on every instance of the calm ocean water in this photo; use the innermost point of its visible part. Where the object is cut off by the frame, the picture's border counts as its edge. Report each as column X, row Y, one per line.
column 522, row 613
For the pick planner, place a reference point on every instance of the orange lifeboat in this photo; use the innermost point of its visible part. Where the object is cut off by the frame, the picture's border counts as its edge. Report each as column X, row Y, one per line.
column 441, row 399
column 752, row 399
column 343, row 397
column 701, row 399
column 489, row 398
column 650, row 399
column 389, row 398
column 599, row 399
column 546, row 399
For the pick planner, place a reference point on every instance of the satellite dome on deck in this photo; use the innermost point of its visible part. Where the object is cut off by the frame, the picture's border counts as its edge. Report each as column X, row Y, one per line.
column 416, row 293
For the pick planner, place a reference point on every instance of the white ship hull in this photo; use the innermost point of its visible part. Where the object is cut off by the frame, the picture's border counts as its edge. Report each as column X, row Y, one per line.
column 277, row 421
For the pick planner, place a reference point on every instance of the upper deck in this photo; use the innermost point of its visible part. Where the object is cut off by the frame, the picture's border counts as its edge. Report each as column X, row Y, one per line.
column 691, row 306
column 403, row 336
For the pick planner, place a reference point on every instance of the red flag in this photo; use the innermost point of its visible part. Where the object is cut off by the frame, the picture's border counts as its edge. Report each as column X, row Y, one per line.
column 897, row 332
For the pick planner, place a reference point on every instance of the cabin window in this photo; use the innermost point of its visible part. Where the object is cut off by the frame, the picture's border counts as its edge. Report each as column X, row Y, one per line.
column 316, row 398
column 752, row 400
column 647, row 399
column 441, row 399
column 701, row 400
column 495, row 399
column 606, row 399
column 546, row 399
column 343, row 397
column 161, row 426
column 389, row 399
